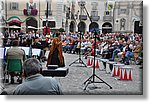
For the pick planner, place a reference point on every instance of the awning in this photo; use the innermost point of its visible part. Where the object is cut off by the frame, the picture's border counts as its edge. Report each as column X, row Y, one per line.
column 31, row 27
column 14, row 26
column 14, row 19
column 2, row 26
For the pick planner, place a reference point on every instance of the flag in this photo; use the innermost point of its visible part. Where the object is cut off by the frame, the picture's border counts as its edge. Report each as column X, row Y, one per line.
column 110, row 6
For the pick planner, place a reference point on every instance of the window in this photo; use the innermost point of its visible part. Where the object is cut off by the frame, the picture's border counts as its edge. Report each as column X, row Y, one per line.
column 107, row 13
column 51, row 24
column 1, row 5
column 49, row 12
column 14, row 6
column 123, row 11
column 64, row 8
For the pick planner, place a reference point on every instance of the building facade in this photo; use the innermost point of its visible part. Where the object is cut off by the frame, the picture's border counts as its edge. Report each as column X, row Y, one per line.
column 2, row 14
column 95, row 15
column 105, row 16
column 31, row 14
column 128, row 16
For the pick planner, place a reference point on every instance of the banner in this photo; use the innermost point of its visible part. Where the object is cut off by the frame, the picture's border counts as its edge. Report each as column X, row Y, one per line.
column 110, row 5
column 14, row 19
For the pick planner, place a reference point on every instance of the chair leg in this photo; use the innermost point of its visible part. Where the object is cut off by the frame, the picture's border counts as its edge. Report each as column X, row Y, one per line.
column 6, row 77
column 20, row 78
column 12, row 78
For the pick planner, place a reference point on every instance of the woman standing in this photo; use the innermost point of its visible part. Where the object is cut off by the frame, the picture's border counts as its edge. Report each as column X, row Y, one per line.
column 55, row 56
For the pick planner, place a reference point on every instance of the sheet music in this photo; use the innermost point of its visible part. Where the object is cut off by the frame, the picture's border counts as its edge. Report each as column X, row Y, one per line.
column 1, row 53
column 36, row 52
column 26, row 49
column 60, row 69
column 46, row 54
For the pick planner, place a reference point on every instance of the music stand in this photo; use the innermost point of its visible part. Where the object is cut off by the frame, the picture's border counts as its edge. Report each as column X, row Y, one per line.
column 79, row 59
column 91, row 79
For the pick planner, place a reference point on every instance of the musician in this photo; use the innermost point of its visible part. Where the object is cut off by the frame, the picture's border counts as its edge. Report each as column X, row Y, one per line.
column 37, row 44
column 55, row 56
column 15, row 53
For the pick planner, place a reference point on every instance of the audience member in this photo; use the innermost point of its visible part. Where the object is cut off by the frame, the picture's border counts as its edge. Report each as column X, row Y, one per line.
column 35, row 83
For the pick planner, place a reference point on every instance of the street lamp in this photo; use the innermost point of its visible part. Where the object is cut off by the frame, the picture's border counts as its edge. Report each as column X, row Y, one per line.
column 81, row 4
column 46, row 18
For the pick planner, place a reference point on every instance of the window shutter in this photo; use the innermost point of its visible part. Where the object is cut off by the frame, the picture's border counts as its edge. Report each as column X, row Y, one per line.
column 34, row 5
column 27, row 5
column 10, row 6
column 17, row 6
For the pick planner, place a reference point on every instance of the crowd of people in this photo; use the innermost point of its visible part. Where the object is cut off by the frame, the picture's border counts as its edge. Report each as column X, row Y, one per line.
column 112, row 46
column 124, row 46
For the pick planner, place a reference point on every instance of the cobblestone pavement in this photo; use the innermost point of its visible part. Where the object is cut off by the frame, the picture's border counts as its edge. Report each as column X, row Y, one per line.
column 73, row 82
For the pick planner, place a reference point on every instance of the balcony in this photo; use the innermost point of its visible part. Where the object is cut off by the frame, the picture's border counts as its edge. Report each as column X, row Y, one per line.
column 68, row 15
column 83, row 17
column 95, row 18
column 30, row 12
column 107, row 18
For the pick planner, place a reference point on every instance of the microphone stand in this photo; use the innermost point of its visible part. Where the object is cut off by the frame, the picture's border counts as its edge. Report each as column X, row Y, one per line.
column 79, row 59
column 91, row 79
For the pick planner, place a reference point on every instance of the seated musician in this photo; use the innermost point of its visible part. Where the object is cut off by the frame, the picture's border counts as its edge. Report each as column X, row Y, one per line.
column 37, row 44
column 55, row 56
column 15, row 53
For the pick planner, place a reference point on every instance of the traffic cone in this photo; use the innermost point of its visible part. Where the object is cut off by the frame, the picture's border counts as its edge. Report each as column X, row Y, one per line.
column 125, row 75
column 118, row 73
column 91, row 62
column 121, row 78
column 97, row 64
column 130, row 75
column 88, row 62
column 114, row 74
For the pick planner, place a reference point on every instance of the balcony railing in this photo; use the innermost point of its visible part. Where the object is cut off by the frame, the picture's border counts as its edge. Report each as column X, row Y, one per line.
column 30, row 12
column 83, row 17
column 95, row 18
column 107, row 18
